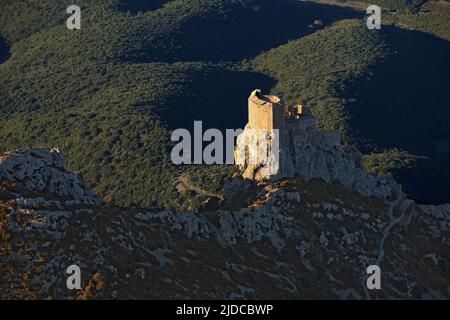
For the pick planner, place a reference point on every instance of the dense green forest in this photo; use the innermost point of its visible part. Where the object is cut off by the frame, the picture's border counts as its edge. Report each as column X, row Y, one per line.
column 108, row 95
column 427, row 16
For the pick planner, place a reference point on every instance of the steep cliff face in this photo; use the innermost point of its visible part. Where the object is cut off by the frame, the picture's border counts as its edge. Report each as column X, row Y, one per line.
column 297, row 239
column 312, row 154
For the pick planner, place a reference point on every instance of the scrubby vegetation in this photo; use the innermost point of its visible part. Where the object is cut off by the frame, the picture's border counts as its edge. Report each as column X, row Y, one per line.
column 432, row 17
column 384, row 163
column 109, row 94
column 426, row 16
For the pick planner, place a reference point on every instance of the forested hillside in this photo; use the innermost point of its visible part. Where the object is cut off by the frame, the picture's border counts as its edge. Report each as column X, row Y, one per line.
column 109, row 94
column 384, row 91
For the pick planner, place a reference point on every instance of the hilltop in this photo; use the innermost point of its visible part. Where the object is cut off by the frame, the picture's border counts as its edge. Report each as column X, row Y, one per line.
column 109, row 95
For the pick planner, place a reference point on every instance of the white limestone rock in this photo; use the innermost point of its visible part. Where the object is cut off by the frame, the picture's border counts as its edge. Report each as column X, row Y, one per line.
column 39, row 169
column 313, row 154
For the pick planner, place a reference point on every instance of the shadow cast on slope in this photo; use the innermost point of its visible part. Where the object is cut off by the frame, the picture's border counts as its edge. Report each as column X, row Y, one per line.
column 406, row 105
column 136, row 6
column 237, row 32
column 4, row 51
column 217, row 97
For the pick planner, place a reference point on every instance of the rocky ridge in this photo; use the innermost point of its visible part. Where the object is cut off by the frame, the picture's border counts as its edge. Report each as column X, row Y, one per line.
column 310, row 154
column 297, row 239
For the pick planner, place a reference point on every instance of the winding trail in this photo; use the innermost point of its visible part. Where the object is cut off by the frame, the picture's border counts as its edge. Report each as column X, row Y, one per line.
column 186, row 184
column 404, row 206
column 402, row 203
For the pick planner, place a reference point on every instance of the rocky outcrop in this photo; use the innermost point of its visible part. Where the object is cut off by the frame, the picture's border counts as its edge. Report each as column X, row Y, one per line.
column 312, row 154
column 39, row 169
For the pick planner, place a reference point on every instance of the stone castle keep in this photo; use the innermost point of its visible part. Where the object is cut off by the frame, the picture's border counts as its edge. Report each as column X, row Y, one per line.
column 302, row 151
column 267, row 112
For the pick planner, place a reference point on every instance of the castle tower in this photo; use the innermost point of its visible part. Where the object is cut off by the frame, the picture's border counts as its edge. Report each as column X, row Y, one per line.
column 265, row 112
column 262, row 154
column 260, row 147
